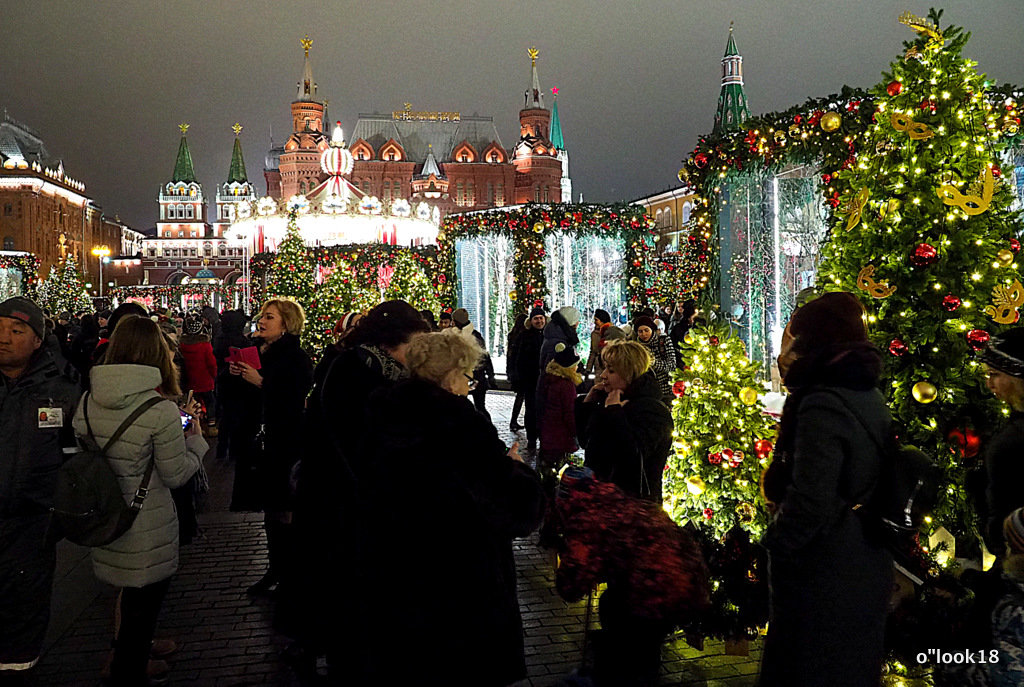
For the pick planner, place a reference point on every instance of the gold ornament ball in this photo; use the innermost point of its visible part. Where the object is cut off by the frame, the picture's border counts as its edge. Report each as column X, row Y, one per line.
column 634, row 282
column 695, row 485
column 748, row 396
column 780, row 137
column 1004, row 258
column 794, row 130
column 1010, row 128
column 682, row 175
column 925, row 392
column 687, row 338
column 831, row 121
column 513, row 295
column 538, row 228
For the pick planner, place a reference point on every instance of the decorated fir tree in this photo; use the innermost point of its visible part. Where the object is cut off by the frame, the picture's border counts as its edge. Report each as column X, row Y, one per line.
column 341, row 291
column 64, row 288
column 722, row 437
column 292, row 273
column 926, row 238
column 723, row 440
column 409, row 281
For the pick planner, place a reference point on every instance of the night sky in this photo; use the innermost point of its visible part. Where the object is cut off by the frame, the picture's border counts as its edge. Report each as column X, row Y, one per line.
column 639, row 80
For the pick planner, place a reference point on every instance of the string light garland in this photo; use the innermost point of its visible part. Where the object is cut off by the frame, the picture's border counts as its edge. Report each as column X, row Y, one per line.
column 528, row 226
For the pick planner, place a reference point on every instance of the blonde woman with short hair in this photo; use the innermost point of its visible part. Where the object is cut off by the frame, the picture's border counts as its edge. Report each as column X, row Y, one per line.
column 625, row 428
column 271, row 399
column 445, row 497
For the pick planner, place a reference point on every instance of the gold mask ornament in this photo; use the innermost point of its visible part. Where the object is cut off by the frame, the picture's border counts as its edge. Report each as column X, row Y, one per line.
column 875, row 289
column 917, row 131
column 856, row 208
column 1005, row 301
column 970, row 203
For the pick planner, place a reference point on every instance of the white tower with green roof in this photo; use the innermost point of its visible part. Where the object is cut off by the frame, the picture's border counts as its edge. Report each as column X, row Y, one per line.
column 235, row 190
column 732, row 101
column 182, row 206
column 563, row 155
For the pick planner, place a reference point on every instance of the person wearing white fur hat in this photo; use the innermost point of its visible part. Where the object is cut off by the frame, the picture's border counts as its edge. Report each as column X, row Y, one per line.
column 561, row 329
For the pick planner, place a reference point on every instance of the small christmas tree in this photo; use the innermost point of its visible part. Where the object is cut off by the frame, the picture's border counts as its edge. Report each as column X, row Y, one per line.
column 927, row 239
column 339, row 293
column 64, row 288
column 722, row 438
column 292, row 275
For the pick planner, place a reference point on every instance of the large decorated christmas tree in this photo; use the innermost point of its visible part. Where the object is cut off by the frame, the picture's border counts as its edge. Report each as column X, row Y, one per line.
column 926, row 237
column 64, row 288
column 292, row 274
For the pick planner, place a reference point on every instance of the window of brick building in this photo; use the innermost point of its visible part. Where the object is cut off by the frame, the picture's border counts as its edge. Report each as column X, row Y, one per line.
column 490, row 193
column 8, row 209
column 458, row 193
column 499, row 199
column 8, row 241
column 470, row 200
column 397, row 192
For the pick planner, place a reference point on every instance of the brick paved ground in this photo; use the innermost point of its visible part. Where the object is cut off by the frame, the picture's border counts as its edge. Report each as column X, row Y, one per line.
column 227, row 637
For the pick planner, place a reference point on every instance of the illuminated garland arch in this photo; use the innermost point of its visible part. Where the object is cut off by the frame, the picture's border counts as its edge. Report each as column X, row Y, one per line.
column 809, row 134
column 527, row 227
column 173, row 293
column 28, row 265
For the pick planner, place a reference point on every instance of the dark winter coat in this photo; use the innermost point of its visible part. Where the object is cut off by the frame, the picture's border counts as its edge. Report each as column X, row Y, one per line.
column 200, row 368
column 29, row 458
column 484, row 371
column 633, row 546
column 232, row 325
column 663, row 362
column 287, row 373
column 512, row 349
column 1004, row 477
column 528, row 359
column 829, row 586
column 628, row 445
column 556, row 410
column 447, row 512
column 556, row 331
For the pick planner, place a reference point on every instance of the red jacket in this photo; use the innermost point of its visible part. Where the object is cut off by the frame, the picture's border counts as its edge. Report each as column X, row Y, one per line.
column 200, row 366
column 556, row 412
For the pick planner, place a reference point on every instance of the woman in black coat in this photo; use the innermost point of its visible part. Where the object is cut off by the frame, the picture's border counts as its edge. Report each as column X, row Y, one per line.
column 277, row 393
column 623, row 425
column 829, row 585
column 446, row 499
column 330, row 493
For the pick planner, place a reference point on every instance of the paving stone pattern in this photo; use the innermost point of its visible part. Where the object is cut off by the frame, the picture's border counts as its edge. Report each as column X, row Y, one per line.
column 227, row 638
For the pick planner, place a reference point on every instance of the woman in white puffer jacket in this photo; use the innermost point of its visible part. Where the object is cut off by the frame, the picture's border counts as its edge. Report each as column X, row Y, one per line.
column 138, row 366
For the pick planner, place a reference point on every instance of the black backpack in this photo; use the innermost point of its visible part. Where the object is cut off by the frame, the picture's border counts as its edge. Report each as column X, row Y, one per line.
column 88, row 506
column 906, row 492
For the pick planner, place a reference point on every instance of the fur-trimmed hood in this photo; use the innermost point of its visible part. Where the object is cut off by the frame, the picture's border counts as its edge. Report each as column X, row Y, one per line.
column 569, row 373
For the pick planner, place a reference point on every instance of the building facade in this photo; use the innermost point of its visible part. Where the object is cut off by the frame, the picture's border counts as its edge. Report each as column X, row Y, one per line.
column 670, row 210
column 45, row 212
column 452, row 162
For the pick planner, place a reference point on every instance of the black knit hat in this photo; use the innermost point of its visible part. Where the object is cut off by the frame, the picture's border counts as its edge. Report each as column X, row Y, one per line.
column 24, row 310
column 602, row 315
column 833, row 319
column 565, row 356
column 1006, row 352
column 537, row 311
column 193, row 324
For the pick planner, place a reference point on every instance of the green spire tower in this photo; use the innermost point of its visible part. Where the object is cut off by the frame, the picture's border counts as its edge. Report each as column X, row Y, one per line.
column 556, row 127
column 237, row 172
column 183, row 169
column 732, row 101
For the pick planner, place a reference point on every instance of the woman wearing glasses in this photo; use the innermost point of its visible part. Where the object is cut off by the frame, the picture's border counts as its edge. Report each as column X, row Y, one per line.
column 448, row 498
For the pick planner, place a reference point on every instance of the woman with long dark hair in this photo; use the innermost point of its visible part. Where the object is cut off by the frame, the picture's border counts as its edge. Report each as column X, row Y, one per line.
column 829, row 584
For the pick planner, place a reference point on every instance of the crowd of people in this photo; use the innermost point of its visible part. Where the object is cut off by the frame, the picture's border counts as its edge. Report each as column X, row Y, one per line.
column 390, row 503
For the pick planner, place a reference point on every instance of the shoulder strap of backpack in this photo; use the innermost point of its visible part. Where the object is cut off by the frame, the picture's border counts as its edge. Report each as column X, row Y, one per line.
column 128, row 421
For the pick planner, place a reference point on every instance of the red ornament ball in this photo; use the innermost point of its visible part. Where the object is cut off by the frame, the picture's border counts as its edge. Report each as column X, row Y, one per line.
column 441, row 279
column 924, row 254
column 708, row 513
column 967, row 440
column 898, row 348
column 728, row 454
column 538, row 303
column 1015, row 245
column 713, row 340
column 701, row 160
column 978, row 339
column 951, row 302
column 996, row 171
column 679, row 388
column 894, row 88
column 715, row 458
column 762, row 447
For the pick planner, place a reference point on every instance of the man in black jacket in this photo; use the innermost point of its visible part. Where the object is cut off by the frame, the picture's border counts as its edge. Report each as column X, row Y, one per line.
column 37, row 402
column 483, row 375
column 528, row 370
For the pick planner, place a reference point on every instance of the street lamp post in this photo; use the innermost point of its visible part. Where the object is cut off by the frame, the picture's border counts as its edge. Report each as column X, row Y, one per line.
column 101, row 252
